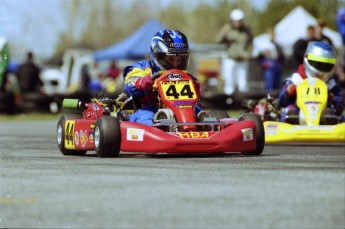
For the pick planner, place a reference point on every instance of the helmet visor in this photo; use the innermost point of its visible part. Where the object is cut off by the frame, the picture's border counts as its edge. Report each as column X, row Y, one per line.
column 173, row 61
column 322, row 67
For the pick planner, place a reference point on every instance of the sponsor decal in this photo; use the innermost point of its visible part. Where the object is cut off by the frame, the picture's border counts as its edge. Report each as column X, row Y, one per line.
column 191, row 135
column 271, row 129
column 183, row 107
column 83, row 138
column 311, row 81
column 183, row 82
column 76, row 138
column 311, row 128
column 91, row 137
column 312, row 102
column 178, row 45
column 69, row 132
column 183, row 103
column 135, row 134
column 272, row 126
column 174, row 76
column 92, row 126
column 247, row 134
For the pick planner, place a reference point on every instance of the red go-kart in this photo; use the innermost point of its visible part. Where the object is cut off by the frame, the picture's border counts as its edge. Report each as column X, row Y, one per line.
column 103, row 125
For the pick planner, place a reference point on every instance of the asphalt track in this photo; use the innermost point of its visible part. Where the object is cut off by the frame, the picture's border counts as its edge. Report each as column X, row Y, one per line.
column 289, row 186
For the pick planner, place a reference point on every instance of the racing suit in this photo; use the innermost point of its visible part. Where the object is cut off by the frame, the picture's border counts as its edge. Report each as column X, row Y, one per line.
column 146, row 100
column 287, row 96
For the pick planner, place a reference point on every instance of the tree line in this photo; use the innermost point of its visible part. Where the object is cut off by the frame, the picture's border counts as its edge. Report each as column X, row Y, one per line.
column 98, row 24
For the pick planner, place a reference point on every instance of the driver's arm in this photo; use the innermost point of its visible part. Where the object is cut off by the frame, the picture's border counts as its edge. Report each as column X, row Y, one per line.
column 137, row 80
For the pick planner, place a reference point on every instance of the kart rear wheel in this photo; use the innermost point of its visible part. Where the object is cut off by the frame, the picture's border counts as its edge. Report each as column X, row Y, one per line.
column 61, row 135
column 260, row 132
column 218, row 114
column 107, row 137
column 204, row 114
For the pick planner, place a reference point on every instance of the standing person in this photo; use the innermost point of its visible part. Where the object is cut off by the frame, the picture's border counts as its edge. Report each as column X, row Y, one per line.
column 238, row 39
column 113, row 71
column 4, row 61
column 340, row 68
column 169, row 49
column 341, row 23
column 271, row 59
column 28, row 75
column 301, row 45
column 85, row 78
column 319, row 35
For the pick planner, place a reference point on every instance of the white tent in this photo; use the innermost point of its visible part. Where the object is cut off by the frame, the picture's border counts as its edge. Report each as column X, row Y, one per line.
column 293, row 27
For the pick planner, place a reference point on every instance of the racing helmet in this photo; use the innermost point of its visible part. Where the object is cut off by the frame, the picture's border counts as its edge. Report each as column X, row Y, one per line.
column 169, row 49
column 319, row 60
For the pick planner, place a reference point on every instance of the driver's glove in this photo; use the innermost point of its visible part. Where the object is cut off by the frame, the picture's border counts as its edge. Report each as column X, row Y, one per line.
column 144, row 83
column 291, row 90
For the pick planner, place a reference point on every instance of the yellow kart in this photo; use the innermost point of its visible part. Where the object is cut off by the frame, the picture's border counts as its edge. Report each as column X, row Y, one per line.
column 313, row 123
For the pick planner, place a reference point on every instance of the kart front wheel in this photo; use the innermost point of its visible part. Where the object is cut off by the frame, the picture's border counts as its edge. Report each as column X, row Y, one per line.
column 107, row 137
column 260, row 132
column 61, row 135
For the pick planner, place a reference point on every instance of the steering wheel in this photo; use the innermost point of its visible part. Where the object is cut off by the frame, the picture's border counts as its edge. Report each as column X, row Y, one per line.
column 157, row 75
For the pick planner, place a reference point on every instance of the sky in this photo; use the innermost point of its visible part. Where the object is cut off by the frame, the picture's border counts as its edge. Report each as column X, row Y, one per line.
column 34, row 25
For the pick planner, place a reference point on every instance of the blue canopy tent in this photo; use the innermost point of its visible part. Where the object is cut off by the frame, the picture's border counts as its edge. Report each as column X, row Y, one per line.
column 136, row 46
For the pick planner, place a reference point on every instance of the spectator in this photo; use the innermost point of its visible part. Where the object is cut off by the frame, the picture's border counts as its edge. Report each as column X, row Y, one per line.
column 113, row 70
column 340, row 67
column 341, row 23
column 28, row 75
column 301, row 45
column 238, row 39
column 4, row 61
column 85, row 77
column 271, row 59
column 319, row 35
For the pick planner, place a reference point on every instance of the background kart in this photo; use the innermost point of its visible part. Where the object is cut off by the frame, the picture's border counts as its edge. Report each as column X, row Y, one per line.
column 103, row 125
column 314, row 123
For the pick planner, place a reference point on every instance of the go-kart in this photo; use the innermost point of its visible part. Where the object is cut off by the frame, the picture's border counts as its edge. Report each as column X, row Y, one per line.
column 314, row 123
column 103, row 124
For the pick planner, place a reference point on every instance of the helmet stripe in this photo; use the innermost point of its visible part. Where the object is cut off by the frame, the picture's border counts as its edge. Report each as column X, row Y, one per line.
column 313, row 57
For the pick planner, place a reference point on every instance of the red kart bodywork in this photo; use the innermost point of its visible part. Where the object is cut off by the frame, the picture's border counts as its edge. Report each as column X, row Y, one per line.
column 178, row 93
column 136, row 137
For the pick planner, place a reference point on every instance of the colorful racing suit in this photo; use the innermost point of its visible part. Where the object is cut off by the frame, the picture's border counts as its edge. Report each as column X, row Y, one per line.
column 148, row 102
column 148, row 99
column 287, row 97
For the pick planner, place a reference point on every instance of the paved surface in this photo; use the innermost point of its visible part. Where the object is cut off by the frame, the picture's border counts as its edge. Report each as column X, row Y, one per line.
column 288, row 186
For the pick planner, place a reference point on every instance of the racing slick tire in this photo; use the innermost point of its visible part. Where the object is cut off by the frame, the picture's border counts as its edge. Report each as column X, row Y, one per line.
column 260, row 132
column 61, row 135
column 107, row 137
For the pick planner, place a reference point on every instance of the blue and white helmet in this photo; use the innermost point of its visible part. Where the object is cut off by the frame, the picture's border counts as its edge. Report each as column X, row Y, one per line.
column 169, row 43
column 319, row 60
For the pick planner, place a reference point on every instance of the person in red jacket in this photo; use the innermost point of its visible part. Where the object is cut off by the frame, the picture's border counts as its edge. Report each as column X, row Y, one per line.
column 319, row 61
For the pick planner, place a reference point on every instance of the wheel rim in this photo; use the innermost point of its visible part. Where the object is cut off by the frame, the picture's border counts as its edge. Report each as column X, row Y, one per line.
column 97, row 136
column 59, row 134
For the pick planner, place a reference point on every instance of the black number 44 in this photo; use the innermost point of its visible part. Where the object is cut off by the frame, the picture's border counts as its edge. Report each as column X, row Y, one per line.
column 185, row 91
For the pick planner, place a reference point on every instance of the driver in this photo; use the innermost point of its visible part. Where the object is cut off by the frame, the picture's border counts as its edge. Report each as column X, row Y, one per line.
column 319, row 61
column 169, row 49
